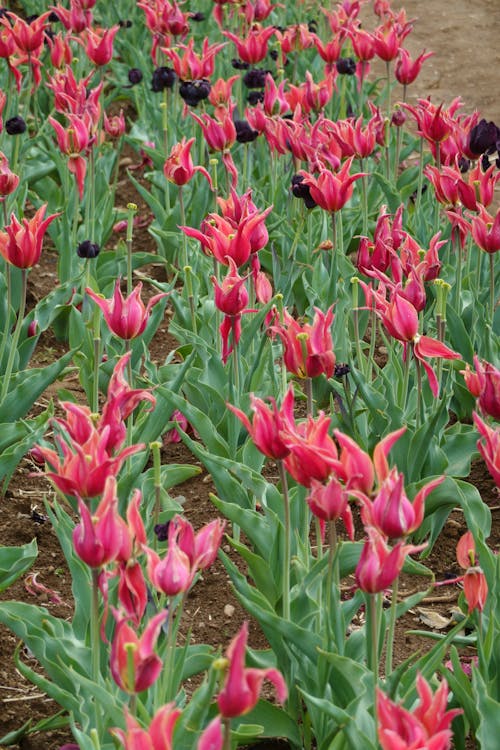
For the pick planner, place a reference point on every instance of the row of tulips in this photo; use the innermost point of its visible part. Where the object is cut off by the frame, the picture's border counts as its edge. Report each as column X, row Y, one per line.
column 270, row 324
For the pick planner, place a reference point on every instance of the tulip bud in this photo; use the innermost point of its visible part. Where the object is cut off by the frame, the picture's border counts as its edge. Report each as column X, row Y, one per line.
column 163, row 78
column 15, row 126
column 346, row 66
column 88, row 249
column 135, row 76
column 193, row 92
column 398, row 118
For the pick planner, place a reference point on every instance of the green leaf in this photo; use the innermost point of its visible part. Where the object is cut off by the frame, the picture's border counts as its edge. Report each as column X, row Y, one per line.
column 17, row 439
column 488, row 708
column 15, row 561
column 57, row 721
column 26, row 386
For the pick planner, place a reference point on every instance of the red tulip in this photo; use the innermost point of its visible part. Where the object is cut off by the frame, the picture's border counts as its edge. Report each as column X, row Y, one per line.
column 29, row 37
column 159, row 736
column 115, row 126
column 21, row 243
column 268, row 424
column 99, row 45
column 308, row 348
column 427, row 726
column 313, row 453
column 179, row 167
column 134, row 664
column 75, row 141
column 191, row 66
column 253, row 48
column 332, row 190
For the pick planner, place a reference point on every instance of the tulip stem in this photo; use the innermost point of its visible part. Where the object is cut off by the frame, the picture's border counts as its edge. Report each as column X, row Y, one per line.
column 457, row 254
column 419, row 393
column 492, row 287
column 420, row 177
column 333, row 612
column 15, row 338
column 132, row 208
column 406, row 380
column 372, row 609
column 95, row 637
column 286, row 550
column 309, row 396
column 226, row 730
column 6, row 335
column 335, row 251
column 364, row 198
column 391, row 629
column 94, row 405
column 373, row 339
column 388, row 73
column 169, row 665
column 183, row 222
column 155, row 450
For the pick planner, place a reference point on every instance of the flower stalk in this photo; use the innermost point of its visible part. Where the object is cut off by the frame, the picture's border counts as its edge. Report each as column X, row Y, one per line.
column 15, row 338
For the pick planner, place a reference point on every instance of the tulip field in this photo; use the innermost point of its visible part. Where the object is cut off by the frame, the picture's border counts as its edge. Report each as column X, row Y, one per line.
column 249, row 382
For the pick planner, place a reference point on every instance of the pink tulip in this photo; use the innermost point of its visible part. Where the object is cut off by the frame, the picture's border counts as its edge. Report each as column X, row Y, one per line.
column 99, row 538
column 174, row 574
column 241, row 689
column 115, row 126
column 191, row 66
column 126, row 318
column 379, row 565
column 329, row 502
column 391, row 512
column 132, row 590
column 407, row 70
column 120, row 402
column 91, row 451
column 484, row 385
column 231, row 296
column 212, row 737
column 485, row 230
column 8, row 180
column 426, row 727
column 489, row 446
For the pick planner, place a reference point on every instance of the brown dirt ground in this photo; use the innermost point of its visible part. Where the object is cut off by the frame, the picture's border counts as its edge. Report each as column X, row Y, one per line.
column 464, row 38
